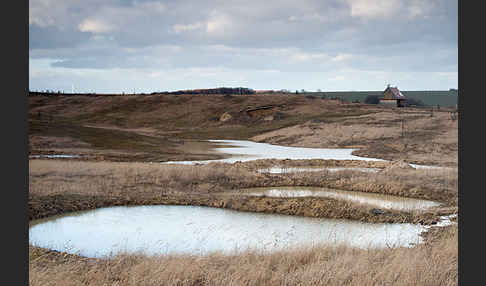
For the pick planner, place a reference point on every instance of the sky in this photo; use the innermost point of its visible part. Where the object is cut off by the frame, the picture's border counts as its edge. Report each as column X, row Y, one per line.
column 329, row 45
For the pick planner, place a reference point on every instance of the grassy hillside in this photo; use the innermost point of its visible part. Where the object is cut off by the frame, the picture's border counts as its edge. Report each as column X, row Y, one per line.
column 156, row 127
column 151, row 127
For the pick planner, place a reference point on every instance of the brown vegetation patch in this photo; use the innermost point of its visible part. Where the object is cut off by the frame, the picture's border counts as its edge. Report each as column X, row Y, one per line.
column 62, row 186
column 124, row 125
column 405, row 134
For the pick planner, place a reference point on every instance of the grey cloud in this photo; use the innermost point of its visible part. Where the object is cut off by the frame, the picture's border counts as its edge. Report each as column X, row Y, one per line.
column 283, row 35
column 53, row 38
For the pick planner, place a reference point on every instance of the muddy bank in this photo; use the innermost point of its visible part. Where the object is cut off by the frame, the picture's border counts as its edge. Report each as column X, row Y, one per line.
column 366, row 182
column 267, row 163
column 48, row 177
column 360, row 198
column 44, row 206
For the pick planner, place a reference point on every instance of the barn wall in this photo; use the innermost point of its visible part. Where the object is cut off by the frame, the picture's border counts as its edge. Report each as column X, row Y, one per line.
column 389, row 102
column 388, row 95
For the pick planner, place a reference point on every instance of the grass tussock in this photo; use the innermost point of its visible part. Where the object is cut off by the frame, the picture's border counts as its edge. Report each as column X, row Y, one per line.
column 427, row 264
column 84, row 177
column 48, row 177
column 104, row 178
column 57, row 186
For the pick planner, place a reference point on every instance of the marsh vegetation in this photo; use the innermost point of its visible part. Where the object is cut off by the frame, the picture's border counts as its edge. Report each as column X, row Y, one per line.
column 119, row 143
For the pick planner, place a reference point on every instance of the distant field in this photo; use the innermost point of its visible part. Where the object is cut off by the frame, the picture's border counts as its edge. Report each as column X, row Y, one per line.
column 428, row 97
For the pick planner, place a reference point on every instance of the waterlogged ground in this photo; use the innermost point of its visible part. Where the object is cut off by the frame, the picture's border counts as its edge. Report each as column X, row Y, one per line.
column 284, row 170
column 200, row 230
column 154, row 230
column 56, row 156
column 377, row 200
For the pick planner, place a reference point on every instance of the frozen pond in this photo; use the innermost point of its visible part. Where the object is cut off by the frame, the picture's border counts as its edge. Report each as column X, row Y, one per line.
column 241, row 150
column 377, row 200
column 426, row 167
column 153, row 230
column 285, row 170
column 55, row 156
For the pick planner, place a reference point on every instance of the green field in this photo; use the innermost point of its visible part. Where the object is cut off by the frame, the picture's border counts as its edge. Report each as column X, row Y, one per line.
column 428, row 97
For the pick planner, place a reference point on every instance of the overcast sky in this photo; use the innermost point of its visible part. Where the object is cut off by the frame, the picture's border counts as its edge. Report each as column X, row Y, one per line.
column 332, row 45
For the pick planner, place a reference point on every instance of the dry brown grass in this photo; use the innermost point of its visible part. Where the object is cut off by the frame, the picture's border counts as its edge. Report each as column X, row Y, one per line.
column 427, row 264
column 441, row 185
column 47, row 177
column 316, row 123
column 433, row 140
column 327, row 135
column 57, row 186
column 434, row 263
column 152, row 126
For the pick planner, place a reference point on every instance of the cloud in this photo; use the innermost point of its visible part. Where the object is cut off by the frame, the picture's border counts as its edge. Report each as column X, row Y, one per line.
column 308, row 37
column 45, row 13
column 179, row 28
column 342, row 57
column 302, row 57
column 374, row 8
column 218, row 23
column 387, row 9
column 95, row 26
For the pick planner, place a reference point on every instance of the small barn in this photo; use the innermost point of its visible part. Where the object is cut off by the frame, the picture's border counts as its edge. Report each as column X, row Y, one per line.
column 394, row 97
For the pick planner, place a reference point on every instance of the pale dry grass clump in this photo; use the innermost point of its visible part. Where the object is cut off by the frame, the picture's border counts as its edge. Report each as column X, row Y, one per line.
column 47, row 177
column 427, row 264
column 375, row 126
column 327, row 135
column 435, row 184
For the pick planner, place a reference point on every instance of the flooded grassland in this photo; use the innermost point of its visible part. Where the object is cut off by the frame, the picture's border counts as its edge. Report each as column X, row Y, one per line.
column 243, row 189
column 62, row 186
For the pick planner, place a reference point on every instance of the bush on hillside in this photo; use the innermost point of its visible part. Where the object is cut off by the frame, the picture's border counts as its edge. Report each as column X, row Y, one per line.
column 415, row 102
column 372, row 99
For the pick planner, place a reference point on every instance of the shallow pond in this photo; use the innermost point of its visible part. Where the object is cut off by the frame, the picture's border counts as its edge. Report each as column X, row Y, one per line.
column 153, row 230
column 285, row 170
column 427, row 167
column 241, row 150
column 377, row 200
column 55, row 156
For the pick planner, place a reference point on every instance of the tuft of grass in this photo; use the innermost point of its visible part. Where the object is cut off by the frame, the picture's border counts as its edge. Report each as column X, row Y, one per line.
column 57, row 186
